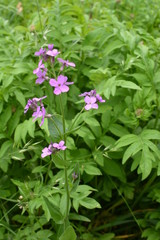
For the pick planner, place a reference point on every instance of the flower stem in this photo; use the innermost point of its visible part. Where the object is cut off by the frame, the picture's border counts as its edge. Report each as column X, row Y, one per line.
column 76, row 118
column 65, row 169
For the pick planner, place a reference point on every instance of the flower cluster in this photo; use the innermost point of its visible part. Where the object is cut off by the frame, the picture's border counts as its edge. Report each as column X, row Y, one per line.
column 53, row 148
column 60, row 85
column 38, row 111
column 91, row 99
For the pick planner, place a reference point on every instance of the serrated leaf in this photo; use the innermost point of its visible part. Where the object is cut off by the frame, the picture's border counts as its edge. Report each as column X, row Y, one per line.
column 146, row 162
column 132, row 150
column 126, row 140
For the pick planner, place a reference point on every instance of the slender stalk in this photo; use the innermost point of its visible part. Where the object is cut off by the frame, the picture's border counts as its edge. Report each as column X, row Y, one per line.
column 76, row 118
column 65, row 169
column 135, row 219
column 38, row 9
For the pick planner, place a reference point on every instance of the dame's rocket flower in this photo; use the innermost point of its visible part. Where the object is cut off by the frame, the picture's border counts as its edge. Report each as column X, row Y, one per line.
column 65, row 63
column 38, row 111
column 91, row 99
column 60, row 84
column 53, row 148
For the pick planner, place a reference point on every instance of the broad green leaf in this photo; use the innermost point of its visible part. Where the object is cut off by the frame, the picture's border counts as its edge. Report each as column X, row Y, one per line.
column 54, row 211
column 4, row 148
column 118, row 130
column 89, row 203
column 85, row 133
column 127, row 84
column 114, row 168
column 55, row 127
column 92, row 170
column 114, row 44
column 69, row 234
column 20, row 97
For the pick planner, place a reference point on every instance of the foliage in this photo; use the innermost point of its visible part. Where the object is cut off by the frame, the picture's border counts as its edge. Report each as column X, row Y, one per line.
column 114, row 150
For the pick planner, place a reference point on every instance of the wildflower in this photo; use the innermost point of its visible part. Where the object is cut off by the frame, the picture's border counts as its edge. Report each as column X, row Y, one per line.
column 53, row 148
column 41, row 77
column 91, row 99
column 40, row 52
column 90, row 103
column 38, row 111
column 60, row 85
column 65, row 63
column 40, row 66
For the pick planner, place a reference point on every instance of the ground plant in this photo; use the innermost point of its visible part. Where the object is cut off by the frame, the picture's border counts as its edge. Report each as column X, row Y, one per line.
column 80, row 120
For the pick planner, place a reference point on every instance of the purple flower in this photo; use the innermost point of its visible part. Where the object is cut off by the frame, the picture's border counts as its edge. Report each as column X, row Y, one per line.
column 40, row 52
column 41, row 77
column 99, row 98
column 53, row 148
column 52, row 53
column 38, row 111
column 40, row 65
column 90, row 103
column 50, row 46
column 65, row 63
column 46, row 152
column 59, row 146
column 91, row 99
column 60, row 85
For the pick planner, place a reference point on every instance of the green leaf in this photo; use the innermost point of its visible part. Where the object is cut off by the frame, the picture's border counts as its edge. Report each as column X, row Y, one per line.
column 114, row 168
column 114, row 44
column 132, row 150
column 146, row 162
column 54, row 211
column 74, row 216
column 92, row 170
column 68, row 234
column 89, row 203
column 118, row 130
column 150, row 134
column 85, row 133
column 20, row 97
column 127, row 84
column 126, row 140
column 55, row 127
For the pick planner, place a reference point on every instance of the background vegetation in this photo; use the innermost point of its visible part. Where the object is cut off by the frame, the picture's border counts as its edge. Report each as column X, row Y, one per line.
column 115, row 45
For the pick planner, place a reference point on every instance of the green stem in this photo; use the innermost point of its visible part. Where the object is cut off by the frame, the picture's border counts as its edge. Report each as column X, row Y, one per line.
column 148, row 184
column 38, row 9
column 126, row 204
column 76, row 118
column 65, row 169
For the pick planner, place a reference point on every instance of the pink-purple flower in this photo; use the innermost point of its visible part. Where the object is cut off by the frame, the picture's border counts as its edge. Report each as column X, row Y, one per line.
column 41, row 77
column 90, row 103
column 91, row 99
column 48, row 53
column 65, row 63
column 53, row 148
column 38, row 111
column 60, row 85
column 40, row 66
